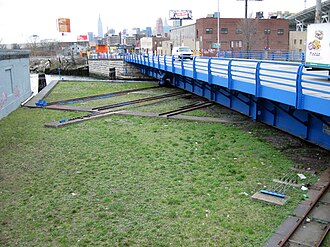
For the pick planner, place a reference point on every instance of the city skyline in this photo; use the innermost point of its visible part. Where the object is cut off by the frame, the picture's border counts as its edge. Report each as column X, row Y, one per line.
column 27, row 21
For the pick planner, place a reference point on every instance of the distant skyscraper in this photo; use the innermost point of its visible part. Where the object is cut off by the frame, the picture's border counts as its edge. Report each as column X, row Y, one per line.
column 176, row 23
column 111, row 31
column 148, row 31
column 100, row 28
column 159, row 26
column 166, row 27
column 90, row 36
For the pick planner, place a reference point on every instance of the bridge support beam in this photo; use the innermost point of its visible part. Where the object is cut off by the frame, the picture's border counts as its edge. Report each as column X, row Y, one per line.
column 301, row 123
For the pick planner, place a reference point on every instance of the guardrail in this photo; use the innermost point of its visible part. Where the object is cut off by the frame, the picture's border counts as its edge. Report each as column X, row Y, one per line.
column 265, row 55
column 285, row 82
column 101, row 55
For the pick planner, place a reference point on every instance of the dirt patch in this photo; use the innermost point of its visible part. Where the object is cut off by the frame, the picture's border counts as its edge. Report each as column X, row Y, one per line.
column 305, row 154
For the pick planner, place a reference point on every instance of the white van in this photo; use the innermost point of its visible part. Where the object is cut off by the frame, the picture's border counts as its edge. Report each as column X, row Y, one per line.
column 182, row 52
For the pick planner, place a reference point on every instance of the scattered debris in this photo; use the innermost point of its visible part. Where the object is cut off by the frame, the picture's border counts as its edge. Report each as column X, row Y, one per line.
column 301, row 176
column 244, row 193
column 269, row 198
column 304, row 188
column 41, row 103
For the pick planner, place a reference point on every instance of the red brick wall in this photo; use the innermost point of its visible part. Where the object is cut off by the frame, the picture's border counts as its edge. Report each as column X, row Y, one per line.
column 261, row 41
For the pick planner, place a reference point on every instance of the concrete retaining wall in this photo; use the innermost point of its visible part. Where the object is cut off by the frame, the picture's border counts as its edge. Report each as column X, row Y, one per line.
column 100, row 68
column 15, row 85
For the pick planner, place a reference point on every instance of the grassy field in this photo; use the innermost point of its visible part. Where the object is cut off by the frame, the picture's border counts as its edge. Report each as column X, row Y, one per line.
column 134, row 181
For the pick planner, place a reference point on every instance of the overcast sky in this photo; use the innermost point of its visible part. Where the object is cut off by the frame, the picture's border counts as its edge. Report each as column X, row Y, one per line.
column 20, row 19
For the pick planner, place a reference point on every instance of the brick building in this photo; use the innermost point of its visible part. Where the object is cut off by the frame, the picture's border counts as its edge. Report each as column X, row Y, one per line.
column 241, row 34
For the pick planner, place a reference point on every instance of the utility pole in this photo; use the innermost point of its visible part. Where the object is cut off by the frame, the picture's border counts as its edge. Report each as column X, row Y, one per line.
column 318, row 11
column 246, row 8
column 218, row 38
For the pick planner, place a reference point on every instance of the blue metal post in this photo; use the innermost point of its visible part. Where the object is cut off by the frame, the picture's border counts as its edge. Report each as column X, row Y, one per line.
column 229, row 74
column 209, row 75
column 258, row 84
column 194, row 68
column 299, row 94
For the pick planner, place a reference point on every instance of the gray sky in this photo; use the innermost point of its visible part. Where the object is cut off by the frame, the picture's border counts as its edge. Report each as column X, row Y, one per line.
column 20, row 19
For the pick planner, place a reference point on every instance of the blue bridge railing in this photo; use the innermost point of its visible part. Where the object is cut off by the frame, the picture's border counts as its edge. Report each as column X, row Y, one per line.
column 285, row 82
column 283, row 94
column 292, row 56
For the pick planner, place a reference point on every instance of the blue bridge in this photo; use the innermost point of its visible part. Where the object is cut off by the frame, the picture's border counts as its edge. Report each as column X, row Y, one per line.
column 285, row 95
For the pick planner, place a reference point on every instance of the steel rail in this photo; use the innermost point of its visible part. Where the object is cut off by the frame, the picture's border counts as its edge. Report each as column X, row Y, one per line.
column 100, row 108
column 302, row 219
column 186, row 109
column 98, row 96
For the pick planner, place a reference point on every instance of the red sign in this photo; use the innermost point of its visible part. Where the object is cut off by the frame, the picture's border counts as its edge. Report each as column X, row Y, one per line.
column 82, row 38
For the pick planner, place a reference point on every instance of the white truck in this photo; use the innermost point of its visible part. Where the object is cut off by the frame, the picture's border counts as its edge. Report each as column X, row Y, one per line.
column 318, row 46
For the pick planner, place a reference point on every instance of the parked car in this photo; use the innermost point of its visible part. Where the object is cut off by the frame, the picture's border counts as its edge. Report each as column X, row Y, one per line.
column 182, row 52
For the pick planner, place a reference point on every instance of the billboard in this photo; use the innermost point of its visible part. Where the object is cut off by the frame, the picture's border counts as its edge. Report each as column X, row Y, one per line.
column 318, row 48
column 180, row 15
column 101, row 48
column 82, row 38
column 64, row 25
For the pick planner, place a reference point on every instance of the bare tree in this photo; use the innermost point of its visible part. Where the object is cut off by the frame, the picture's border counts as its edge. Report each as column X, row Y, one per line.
column 248, row 28
column 32, row 44
column 16, row 46
column 2, row 46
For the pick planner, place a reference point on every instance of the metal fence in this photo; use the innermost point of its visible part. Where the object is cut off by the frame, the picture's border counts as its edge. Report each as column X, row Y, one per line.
column 266, row 55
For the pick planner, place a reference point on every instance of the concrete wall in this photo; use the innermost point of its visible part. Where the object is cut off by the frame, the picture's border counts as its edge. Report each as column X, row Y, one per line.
column 15, row 85
column 297, row 41
column 124, row 71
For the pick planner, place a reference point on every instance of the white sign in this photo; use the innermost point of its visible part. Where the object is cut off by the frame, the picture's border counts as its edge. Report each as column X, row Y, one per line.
column 180, row 14
column 318, row 45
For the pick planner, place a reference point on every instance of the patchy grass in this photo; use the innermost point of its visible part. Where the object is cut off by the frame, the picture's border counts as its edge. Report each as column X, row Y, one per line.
column 125, row 180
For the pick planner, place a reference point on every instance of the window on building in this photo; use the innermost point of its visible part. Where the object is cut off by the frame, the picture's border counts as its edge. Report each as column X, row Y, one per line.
column 280, row 31
column 208, row 30
column 224, row 30
column 267, row 31
column 239, row 31
column 294, row 41
column 236, row 44
column 300, row 42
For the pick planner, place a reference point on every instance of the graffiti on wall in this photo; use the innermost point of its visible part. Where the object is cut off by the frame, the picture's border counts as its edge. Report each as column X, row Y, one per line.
column 3, row 99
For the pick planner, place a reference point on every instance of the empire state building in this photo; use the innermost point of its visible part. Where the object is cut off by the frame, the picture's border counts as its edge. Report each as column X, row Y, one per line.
column 99, row 28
